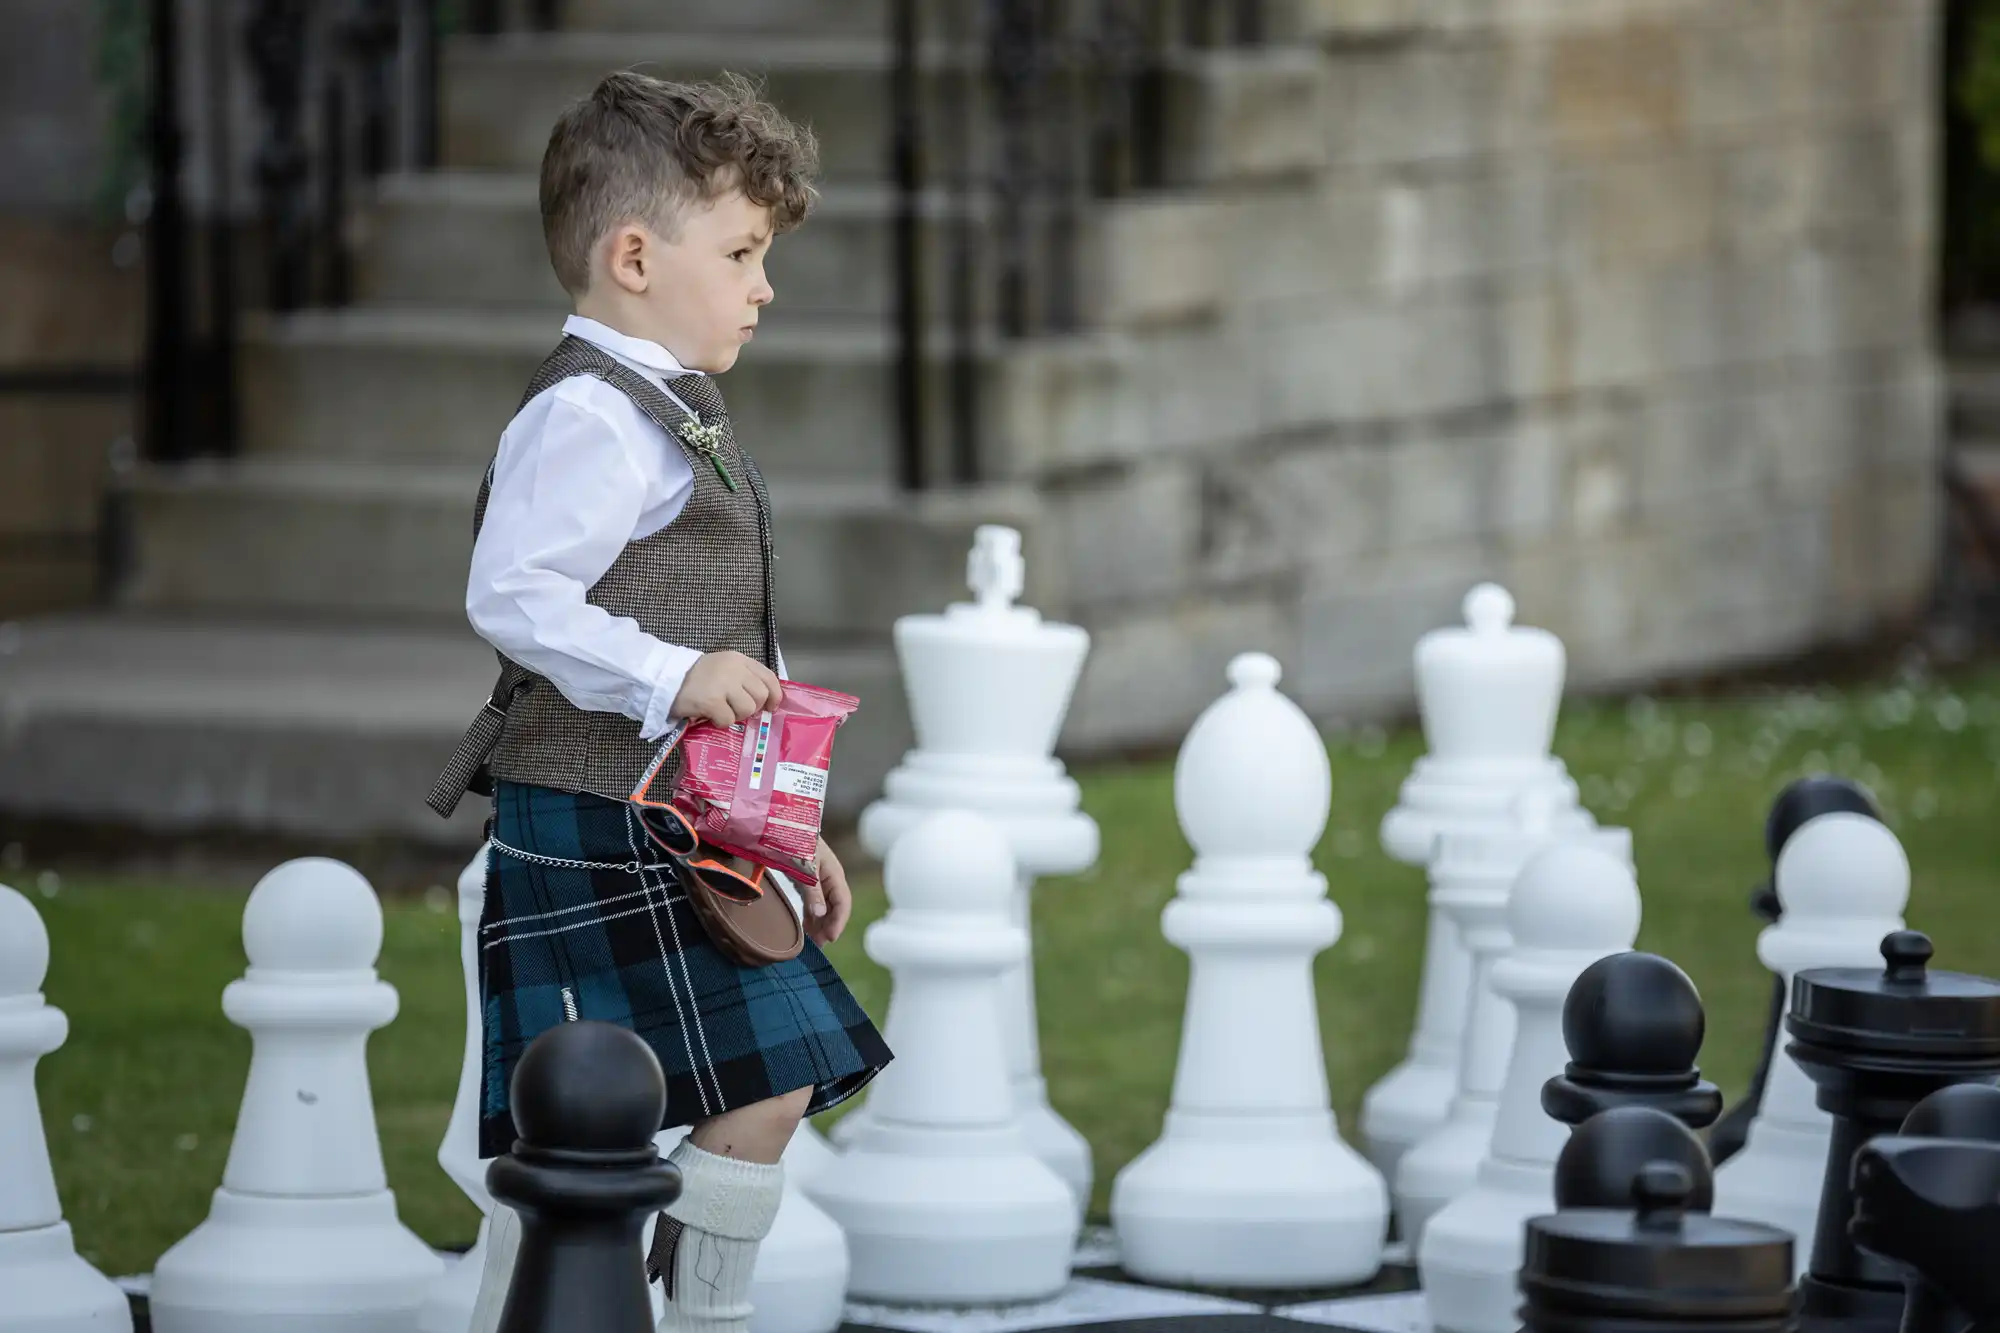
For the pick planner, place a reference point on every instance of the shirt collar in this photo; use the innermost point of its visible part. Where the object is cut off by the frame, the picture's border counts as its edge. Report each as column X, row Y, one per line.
column 646, row 353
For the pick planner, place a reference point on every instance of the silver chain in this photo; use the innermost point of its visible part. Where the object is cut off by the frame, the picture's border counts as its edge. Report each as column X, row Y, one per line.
column 631, row 867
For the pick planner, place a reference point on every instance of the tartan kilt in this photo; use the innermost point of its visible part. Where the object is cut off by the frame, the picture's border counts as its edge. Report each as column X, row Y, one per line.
column 558, row 944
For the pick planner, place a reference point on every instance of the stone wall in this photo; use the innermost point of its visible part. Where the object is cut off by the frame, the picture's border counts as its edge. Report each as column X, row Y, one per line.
column 71, row 300
column 1625, row 303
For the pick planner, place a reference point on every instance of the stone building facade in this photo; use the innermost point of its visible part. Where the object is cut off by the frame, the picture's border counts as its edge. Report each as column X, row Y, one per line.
column 1623, row 303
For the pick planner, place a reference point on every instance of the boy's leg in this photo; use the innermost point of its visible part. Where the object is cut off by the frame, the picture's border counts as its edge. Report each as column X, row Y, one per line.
column 731, row 1184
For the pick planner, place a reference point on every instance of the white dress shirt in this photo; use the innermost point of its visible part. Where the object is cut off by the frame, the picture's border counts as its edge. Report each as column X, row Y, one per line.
column 582, row 472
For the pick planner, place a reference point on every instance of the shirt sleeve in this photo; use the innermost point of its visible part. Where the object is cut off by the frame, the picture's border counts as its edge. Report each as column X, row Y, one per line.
column 565, row 498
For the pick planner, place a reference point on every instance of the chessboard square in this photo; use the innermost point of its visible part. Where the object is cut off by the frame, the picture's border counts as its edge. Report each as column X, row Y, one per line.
column 1084, row 1300
column 1390, row 1312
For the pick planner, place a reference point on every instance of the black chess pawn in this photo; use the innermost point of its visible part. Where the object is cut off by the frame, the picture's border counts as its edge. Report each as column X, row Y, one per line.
column 1605, row 1154
column 1653, row 1263
column 1928, row 1198
column 1876, row 1042
column 588, row 1097
column 1633, row 1024
column 1807, row 798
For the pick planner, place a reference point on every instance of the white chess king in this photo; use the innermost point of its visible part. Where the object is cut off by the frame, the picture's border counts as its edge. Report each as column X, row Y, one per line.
column 1487, row 696
column 989, row 683
column 1250, row 1184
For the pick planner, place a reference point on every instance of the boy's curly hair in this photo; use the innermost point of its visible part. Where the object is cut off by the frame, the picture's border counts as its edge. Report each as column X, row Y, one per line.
column 640, row 149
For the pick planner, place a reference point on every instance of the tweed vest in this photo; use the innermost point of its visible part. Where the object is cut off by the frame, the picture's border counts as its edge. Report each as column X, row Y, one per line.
column 703, row 581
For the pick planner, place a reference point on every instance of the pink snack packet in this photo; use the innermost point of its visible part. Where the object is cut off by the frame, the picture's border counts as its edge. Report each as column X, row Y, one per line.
column 758, row 789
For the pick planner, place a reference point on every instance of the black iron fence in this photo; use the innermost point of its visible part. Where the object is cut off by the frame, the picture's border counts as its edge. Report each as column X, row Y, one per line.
column 342, row 92
column 1062, row 104
column 1022, row 114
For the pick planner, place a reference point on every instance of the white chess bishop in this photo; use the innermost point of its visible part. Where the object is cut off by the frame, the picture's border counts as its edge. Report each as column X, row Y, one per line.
column 1844, row 881
column 989, row 684
column 1572, row 904
column 940, row 1195
column 45, row 1287
column 1487, row 695
column 1250, row 1184
column 1475, row 875
column 303, row 1236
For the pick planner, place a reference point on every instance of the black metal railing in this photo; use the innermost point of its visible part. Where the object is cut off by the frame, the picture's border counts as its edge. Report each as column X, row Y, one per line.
column 1055, row 105
column 1011, row 120
column 343, row 92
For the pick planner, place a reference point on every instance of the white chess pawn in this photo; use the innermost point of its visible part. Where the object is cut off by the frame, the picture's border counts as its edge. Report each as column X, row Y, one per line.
column 448, row 1306
column 45, row 1287
column 1250, row 1184
column 1573, row 904
column 1475, row 874
column 1844, row 881
column 942, row 1199
column 1487, row 696
column 302, row 1236
column 989, row 683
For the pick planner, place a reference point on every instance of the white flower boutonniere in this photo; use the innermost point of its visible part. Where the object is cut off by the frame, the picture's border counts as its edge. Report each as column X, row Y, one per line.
column 707, row 439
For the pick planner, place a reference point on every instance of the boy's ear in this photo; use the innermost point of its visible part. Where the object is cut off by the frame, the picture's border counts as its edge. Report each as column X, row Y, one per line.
column 628, row 257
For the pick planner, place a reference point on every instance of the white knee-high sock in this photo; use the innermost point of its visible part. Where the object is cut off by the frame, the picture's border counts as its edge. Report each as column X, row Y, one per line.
column 709, row 1239
column 503, row 1242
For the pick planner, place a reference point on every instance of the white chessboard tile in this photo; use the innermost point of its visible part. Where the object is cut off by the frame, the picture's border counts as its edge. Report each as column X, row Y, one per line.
column 1393, row 1312
column 1084, row 1301
column 1396, row 1252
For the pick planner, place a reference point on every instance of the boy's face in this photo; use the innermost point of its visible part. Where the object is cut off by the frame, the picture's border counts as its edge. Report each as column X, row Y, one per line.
column 699, row 295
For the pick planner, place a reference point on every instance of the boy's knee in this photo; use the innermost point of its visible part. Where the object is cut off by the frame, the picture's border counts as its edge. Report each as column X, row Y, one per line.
column 757, row 1132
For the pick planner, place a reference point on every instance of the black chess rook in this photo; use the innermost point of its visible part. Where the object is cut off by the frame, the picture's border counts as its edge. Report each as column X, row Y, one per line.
column 1876, row 1043
column 584, row 1175
column 1653, row 1263
column 1807, row 798
column 1606, row 1153
column 1929, row 1200
column 1633, row 1023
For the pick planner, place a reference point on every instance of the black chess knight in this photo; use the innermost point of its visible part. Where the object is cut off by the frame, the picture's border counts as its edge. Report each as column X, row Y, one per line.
column 584, row 1175
column 1876, row 1042
column 1805, row 799
column 1929, row 1200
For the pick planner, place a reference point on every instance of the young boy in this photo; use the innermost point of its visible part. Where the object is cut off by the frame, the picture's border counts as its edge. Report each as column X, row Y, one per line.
column 622, row 568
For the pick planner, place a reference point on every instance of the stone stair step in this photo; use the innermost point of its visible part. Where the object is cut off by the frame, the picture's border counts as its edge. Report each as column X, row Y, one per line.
column 847, row 18
column 1229, row 114
column 499, row 96
column 391, row 542
column 473, row 240
column 811, row 399
column 329, row 731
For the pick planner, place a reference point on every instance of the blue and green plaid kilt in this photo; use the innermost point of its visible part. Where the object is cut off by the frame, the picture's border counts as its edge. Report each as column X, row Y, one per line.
column 557, row 944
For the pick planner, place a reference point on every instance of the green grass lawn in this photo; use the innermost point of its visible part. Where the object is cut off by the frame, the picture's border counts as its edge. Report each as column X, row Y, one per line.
column 140, row 1103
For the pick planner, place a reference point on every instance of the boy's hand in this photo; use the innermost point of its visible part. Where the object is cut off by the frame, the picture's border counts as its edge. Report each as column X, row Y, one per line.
column 726, row 688
column 828, row 903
